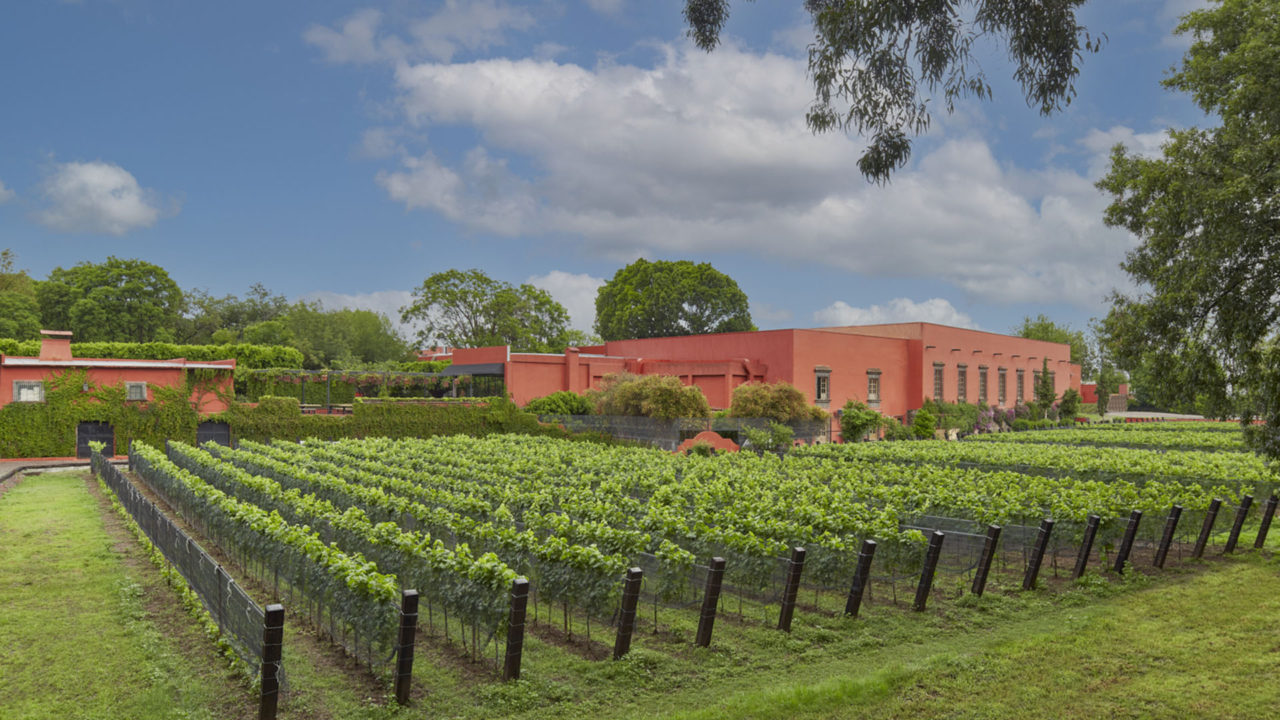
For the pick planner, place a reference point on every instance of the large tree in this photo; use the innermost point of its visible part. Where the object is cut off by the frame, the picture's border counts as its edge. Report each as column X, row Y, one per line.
column 662, row 299
column 117, row 300
column 466, row 308
column 877, row 64
column 215, row 319
column 1042, row 328
column 19, row 311
column 1205, row 319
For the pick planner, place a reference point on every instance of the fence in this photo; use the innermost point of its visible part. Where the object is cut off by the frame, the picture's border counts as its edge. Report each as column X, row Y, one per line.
column 668, row 434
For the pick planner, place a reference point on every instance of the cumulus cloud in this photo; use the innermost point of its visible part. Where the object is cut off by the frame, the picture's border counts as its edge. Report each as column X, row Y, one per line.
column 576, row 292
column 607, row 7
column 473, row 25
column 96, row 197
column 5, row 193
column 709, row 152
column 386, row 302
column 933, row 310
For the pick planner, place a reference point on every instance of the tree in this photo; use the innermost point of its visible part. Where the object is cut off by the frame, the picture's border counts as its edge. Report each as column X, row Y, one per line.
column 1108, row 384
column 1044, row 391
column 656, row 396
column 207, row 315
column 114, row 301
column 1042, row 328
column 876, row 63
column 466, row 308
column 15, row 281
column 19, row 316
column 1206, row 315
column 780, row 401
column 663, row 299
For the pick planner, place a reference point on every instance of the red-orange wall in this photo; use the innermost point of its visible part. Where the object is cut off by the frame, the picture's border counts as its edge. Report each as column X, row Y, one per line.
column 102, row 376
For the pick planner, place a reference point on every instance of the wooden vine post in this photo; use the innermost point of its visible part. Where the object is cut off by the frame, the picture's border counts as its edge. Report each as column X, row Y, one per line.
column 515, row 629
column 926, row 574
column 1086, row 546
column 627, row 615
column 1166, row 538
column 1207, row 528
column 1037, row 555
column 272, row 640
column 861, row 576
column 710, row 601
column 795, row 566
column 404, row 649
column 1267, row 513
column 1126, row 543
column 984, row 562
column 1246, row 502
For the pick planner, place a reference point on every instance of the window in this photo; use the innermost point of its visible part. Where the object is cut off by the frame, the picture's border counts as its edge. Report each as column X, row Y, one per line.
column 1021, row 375
column 962, row 383
column 1002, row 377
column 982, row 383
column 937, row 382
column 135, row 391
column 28, row 391
column 822, row 385
column 873, row 386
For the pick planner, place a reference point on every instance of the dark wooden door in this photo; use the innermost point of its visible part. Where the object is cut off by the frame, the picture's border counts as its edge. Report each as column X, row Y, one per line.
column 88, row 432
column 218, row 432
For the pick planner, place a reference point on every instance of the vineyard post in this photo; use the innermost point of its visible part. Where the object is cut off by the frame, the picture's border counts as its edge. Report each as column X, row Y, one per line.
column 1037, row 555
column 404, row 651
column 1267, row 513
column 627, row 615
column 1207, row 528
column 926, row 574
column 1246, row 502
column 1175, row 513
column 795, row 566
column 984, row 563
column 710, row 601
column 861, row 576
column 1126, row 543
column 272, row 639
column 515, row 628
column 1086, row 546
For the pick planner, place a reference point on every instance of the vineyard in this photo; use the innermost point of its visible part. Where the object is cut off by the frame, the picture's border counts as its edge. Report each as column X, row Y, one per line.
column 613, row 538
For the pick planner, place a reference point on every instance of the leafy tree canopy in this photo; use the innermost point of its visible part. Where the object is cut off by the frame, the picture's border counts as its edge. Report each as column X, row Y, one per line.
column 1042, row 328
column 1207, row 211
column 11, row 280
column 113, row 301
column 208, row 315
column 466, row 308
column 876, row 64
column 19, row 316
column 663, row 299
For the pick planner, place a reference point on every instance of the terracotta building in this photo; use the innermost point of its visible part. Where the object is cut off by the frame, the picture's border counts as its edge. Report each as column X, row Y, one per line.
column 892, row 367
column 23, row 379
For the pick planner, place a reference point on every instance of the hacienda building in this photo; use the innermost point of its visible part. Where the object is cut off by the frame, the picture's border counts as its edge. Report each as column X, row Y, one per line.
column 892, row 367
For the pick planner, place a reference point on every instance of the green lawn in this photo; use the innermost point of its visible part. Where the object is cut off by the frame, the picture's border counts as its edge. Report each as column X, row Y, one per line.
column 1196, row 640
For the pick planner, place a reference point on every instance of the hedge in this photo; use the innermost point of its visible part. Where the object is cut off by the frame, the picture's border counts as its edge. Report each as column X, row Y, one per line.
column 245, row 355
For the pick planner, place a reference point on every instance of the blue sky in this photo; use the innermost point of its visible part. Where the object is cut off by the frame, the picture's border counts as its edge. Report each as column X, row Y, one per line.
column 344, row 152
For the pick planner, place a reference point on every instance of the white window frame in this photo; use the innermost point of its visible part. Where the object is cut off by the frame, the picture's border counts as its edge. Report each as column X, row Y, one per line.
column 822, row 385
column 873, row 387
column 19, row 386
column 130, row 387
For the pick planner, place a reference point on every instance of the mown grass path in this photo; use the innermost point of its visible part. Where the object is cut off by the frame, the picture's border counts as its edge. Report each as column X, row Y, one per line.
column 77, row 636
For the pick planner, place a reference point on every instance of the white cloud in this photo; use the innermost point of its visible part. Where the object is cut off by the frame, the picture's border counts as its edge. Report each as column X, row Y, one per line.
column 1099, row 143
column 472, row 25
column 933, row 310
column 96, row 197
column 5, row 194
column 767, row 316
column 576, row 292
column 709, row 152
column 387, row 302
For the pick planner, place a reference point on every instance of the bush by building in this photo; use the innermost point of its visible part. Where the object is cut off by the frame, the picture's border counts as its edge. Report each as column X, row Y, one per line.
column 657, row 396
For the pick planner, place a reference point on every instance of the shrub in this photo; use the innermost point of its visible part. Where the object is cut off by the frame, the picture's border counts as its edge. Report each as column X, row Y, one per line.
column 701, row 449
column 563, row 402
column 1069, row 406
column 780, row 401
column 1021, row 424
column 958, row 416
column 898, row 431
column 857, row 419
column 656, row 396
column 924, row 424
column 778, row 438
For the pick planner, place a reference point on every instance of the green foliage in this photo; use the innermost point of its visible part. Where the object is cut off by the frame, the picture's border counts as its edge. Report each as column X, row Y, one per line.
column 924, row 424
column 875, row 64
column 780, row 401
column 1044, row 392
column 19, row 316
column 857, row 420
column 1108, row 383
column 223, row 320
column 1206, row 321
column 664, row 299
column 954, row 416
column 338, row 339
column 245, row 355
column 777, row 438
column 1042, row 328
column 466, row 308
column 1069, row 408
column 563, row 402
column 114, row 301
column 656, row 396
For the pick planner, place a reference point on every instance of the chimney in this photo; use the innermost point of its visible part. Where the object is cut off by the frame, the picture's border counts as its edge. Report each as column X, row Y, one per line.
column 56, row 345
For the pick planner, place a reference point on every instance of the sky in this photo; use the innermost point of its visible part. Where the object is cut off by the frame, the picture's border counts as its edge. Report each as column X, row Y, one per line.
column 344, row 152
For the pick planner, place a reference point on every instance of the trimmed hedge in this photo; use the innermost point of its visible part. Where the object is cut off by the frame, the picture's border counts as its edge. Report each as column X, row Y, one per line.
column 245, row 355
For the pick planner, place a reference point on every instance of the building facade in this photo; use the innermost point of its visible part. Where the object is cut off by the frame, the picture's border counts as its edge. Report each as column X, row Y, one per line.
column 892, row 368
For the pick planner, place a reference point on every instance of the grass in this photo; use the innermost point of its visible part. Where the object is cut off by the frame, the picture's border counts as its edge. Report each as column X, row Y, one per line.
column 1191, row 641
column 76, row 640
